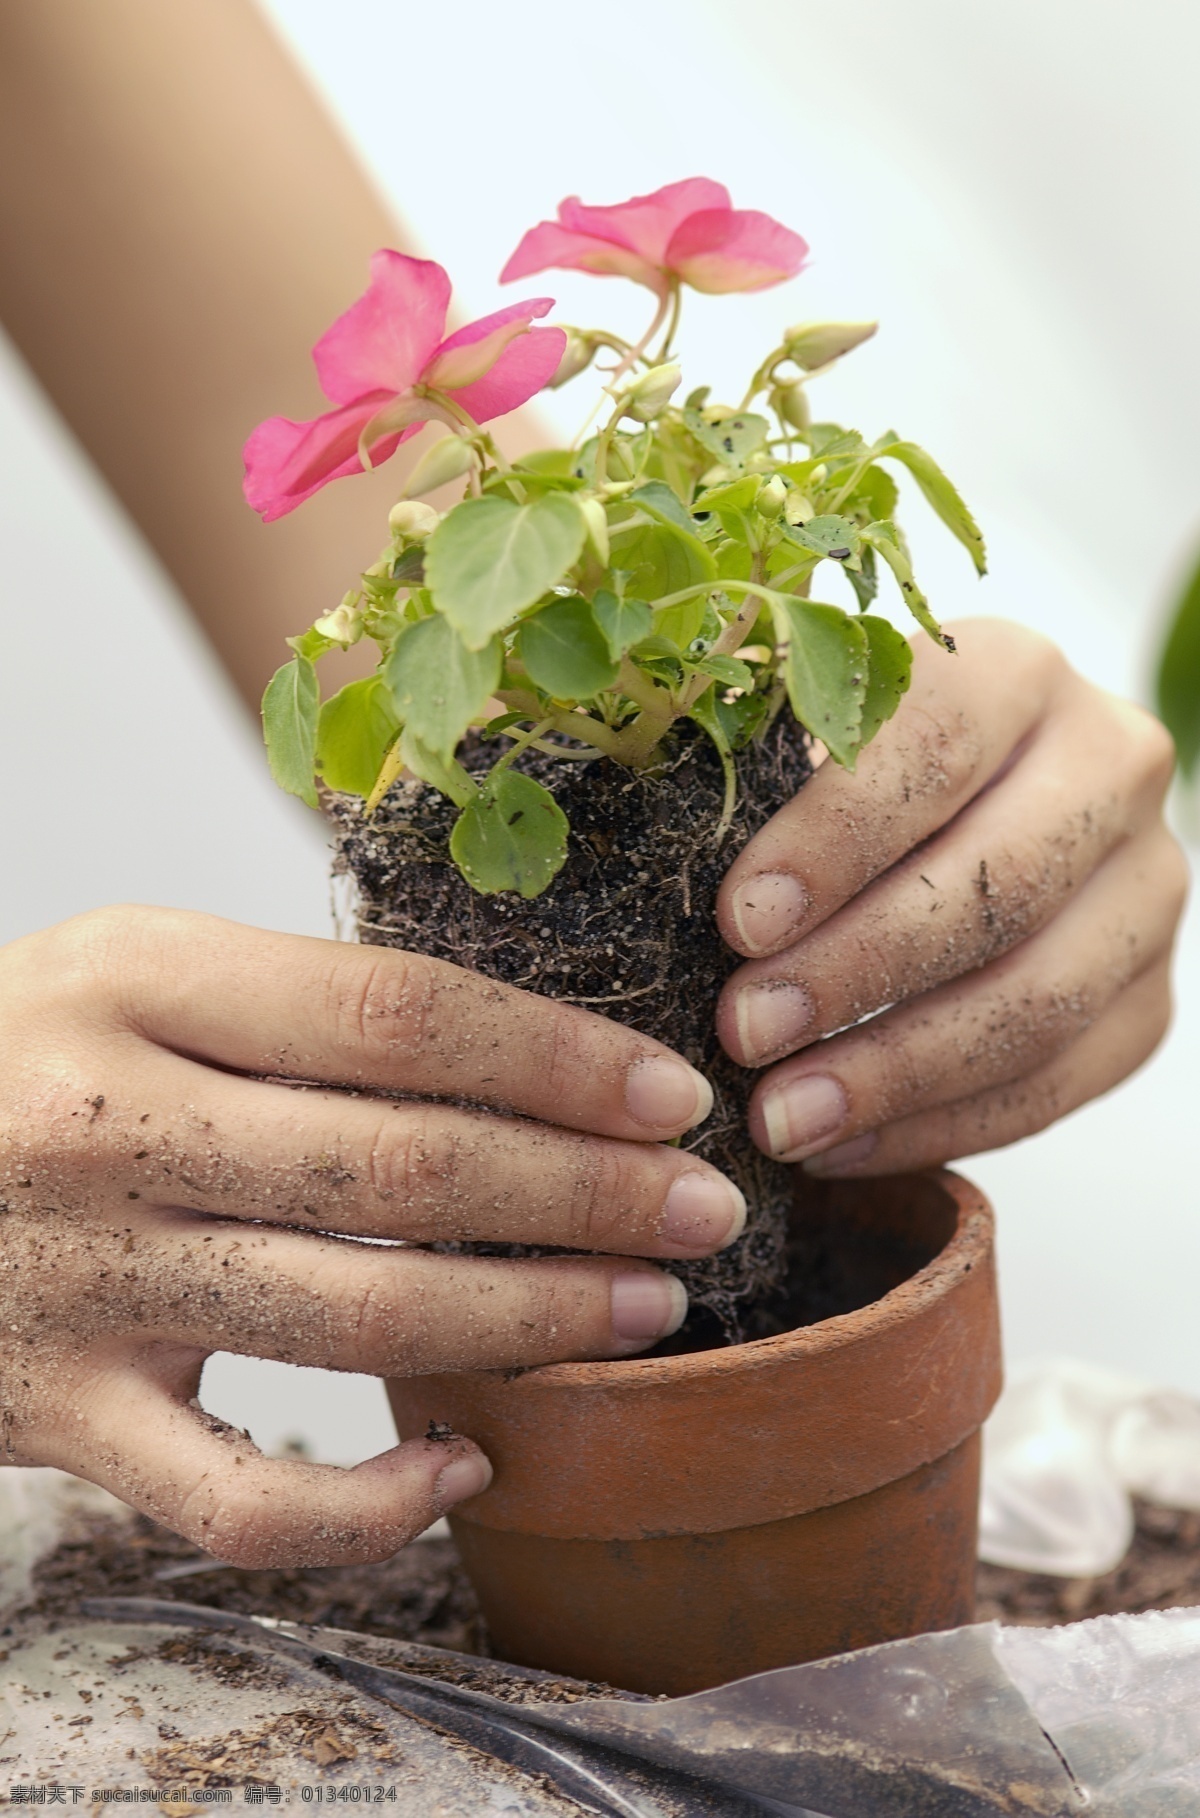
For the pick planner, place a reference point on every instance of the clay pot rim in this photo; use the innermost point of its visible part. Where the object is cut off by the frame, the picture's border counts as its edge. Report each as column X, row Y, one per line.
column 968, row 1244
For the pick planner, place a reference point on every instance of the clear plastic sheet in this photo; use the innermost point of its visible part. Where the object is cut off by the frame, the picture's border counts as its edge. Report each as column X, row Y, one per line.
column 1101, row 1717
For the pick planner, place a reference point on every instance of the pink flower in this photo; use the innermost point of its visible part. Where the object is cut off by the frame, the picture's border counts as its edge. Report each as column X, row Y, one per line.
column 686, row 231
column 375, row 365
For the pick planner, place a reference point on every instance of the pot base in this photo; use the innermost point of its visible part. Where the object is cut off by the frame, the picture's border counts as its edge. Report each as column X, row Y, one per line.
column 893, row 1563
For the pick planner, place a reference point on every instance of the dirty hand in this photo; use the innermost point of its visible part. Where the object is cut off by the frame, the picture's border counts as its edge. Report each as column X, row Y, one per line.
column 165, row 1193
column 994, row 889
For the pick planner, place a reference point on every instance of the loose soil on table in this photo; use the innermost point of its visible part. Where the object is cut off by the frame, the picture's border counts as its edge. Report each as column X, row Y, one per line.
column 423, row 1595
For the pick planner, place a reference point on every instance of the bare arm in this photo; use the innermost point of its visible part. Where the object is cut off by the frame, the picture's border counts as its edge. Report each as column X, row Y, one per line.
column 181, row 221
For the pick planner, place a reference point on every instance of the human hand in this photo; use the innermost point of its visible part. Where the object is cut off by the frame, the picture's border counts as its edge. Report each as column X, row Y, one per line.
column 998, row 872
column 162, row 1199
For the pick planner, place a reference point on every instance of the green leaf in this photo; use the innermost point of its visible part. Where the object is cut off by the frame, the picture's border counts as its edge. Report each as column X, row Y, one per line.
column 865, row 578
column 354, row 730
column 513, row 836
column 448, row 777
column 727, row 670
column 438, row 685
column 566, row 652
column 660, row 559
column 623, row 622
column 731, row 441
column 888, row 676
column 408, row 570
column 736, row 495
column 741, row 717
column 942, row 496
column 735, row 560
column 877, row 493
column 489, row 559
column 830, row 442
column 831, row 536
column 660, row 502
column 885, row 537
column 826, row 672
column 289, row 711
column 311, row 644
column 1177, row 685
column 680, row 624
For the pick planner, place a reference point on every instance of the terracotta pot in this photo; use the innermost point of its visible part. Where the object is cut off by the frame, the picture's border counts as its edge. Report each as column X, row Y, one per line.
column 671, row 1523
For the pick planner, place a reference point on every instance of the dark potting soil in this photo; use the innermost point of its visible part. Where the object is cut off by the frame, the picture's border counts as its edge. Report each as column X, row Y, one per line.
column 627, row 929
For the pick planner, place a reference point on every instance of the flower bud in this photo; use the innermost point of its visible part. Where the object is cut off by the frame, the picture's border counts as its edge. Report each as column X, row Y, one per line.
column 652, row 392
column 344, row 624
column 772, row 495
column 798, row 508
column 815, row 344
column 447, row 460
column 596, row 519
column 791, row 402
column 578, row 355
column 413, row 520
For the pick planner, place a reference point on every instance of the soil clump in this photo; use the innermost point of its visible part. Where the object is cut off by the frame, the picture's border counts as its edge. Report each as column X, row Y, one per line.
column 627, row 929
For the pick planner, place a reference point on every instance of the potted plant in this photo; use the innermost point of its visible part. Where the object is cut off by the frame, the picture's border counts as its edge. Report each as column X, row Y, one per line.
column 600, row 671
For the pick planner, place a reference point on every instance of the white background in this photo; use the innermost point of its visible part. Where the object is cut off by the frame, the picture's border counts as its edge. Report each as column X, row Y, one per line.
column 1013, row 189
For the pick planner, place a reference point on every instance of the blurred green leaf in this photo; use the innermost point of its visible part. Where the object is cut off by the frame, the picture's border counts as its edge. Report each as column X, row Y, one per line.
column 727, row 670
column 354, row 730
column 489, row 559
column 888, row 540
column 289, row 712
column 565, row 651
column 438, row 685
column 512, row 836
column 1178, row 682
column 660, row 502
column 889, row 673
column 731, row 441
column 736, row 495
column 830, row 535
column 623, row 622
column 941, row 495
column 865, row 578
column 826, row 672
column 660, row 559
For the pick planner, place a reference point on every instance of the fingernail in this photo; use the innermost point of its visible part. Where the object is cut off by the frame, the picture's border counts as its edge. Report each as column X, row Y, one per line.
column 647, row 1305
column 768, row 909
column 666, row 1093
column 702, row 1212
column 770, row 1019
column 844, row 1157
column 800, row 1113
column 461, row 1479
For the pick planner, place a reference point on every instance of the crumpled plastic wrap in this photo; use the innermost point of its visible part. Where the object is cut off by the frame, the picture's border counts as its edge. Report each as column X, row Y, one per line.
column 1065, row 1450
column 1099, row 1717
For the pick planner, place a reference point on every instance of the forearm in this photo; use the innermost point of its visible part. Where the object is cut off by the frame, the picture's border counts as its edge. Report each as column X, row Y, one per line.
column 181, row 221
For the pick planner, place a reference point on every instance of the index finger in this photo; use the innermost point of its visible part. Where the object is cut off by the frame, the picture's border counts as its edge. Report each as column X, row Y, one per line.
column 961, row 721
column 380, row 1020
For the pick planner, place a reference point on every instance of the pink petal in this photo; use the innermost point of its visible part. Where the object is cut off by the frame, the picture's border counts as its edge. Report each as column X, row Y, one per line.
column 525, row 366
column 287, row 462
column 723, row 249
column 645, row 224
column 472, row 351
column 382, row 341
column 549, row 244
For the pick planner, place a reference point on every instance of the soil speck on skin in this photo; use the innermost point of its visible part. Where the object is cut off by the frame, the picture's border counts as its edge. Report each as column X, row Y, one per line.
column 627, row 929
